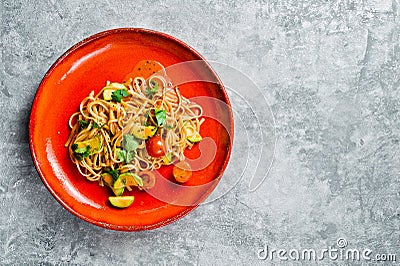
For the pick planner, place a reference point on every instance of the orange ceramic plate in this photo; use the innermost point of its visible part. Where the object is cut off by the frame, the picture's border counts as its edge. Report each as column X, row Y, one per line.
column 111, row 55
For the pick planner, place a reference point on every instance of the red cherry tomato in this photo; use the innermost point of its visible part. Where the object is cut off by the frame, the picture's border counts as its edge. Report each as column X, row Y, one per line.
column 155, row 147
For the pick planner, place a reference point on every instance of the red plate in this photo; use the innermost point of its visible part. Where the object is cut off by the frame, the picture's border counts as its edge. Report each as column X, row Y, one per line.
column 110, row 55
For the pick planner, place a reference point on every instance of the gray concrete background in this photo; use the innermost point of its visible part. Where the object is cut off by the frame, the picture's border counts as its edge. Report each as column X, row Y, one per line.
column 330, row 72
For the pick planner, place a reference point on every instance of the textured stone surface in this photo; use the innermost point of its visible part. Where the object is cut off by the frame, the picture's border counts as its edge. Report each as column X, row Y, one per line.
column 330, row 72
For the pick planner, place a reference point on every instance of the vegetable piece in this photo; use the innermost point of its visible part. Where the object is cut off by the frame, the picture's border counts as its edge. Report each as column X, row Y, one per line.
column 143, row 132
column 161, row 117
column 149, row 180
column 107, row 94
column 121, row 202
column 129, row 145
column 118, row 94
column 125, row 156
column 128, row 180
column 121, row 154
column 167, row 159
column 111, row 88
column 107, row 179
column 84, row 151
column 195, row 138
column 155, row 147
column 114, row 173
column 116, row 86
column 182, row 172
column 118, row 186
column 87, row 147
column 118, row 192
column 191, row 133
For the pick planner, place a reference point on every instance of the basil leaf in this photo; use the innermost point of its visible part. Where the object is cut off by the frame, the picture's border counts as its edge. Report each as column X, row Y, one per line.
column 161, row 117
column 129, row 156
column 129, row 143
column 121, row 154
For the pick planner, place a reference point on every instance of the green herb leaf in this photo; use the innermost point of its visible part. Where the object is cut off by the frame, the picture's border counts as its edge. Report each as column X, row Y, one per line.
column 129, row 156
column 114, row 173
column 118, row 94
column 151, row 91
column 95, row 125
column 125, row 156
column 74, row 146
column 161, row 116
column 124, row 93
column 121, row 154
column 129, row 143
column 83, row 123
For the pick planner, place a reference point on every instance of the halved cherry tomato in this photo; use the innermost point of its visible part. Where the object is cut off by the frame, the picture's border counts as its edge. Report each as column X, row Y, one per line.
column 148, row 178
column 182, row 172
column 155, row 146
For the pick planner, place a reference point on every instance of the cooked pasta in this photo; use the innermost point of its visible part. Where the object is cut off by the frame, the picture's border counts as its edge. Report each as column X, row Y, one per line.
column 113, row 129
